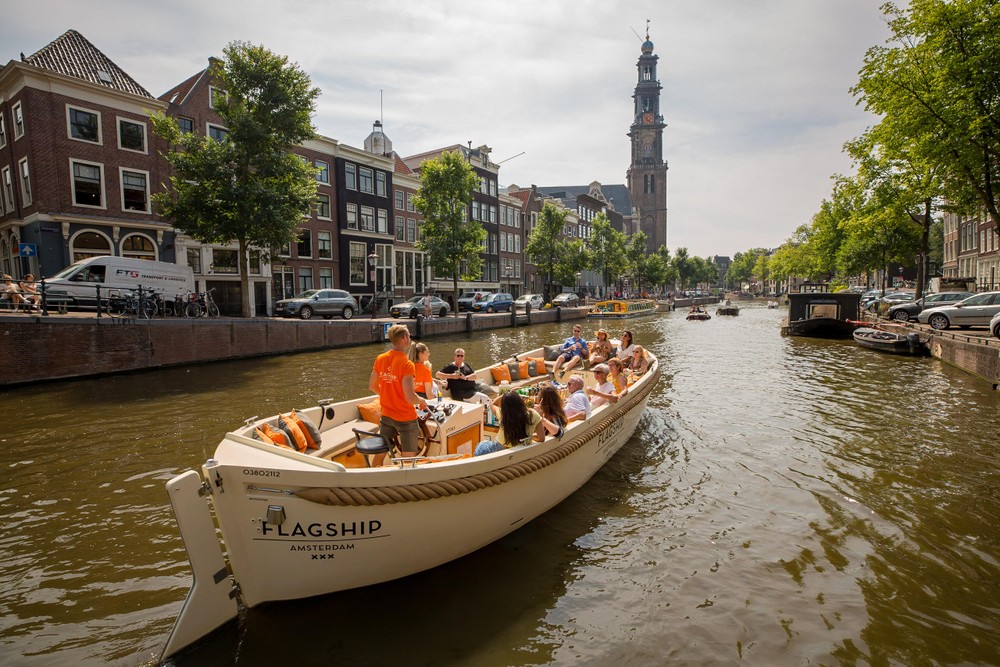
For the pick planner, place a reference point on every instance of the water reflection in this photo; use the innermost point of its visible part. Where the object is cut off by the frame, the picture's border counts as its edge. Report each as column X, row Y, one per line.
column 784, row 500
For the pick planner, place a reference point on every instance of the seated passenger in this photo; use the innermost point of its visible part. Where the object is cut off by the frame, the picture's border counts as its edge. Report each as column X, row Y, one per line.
column 462, row 380
column 625, row 348
column 602, row 348
column 12, row 292
column 423, row 383
column 616, row 376
column 604, row 392
column 29, row 291
column 574, row 351
column 640, row 361
column 519, row 425
column 577, row 405
column 551, row 408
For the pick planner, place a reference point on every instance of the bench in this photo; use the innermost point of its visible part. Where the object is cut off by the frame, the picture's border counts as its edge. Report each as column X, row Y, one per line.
column 341, row 438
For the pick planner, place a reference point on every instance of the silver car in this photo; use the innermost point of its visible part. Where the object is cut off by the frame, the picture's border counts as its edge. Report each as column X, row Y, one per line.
column 325, row 302
column 976, row 311
column 536, row 301
column 995, row 325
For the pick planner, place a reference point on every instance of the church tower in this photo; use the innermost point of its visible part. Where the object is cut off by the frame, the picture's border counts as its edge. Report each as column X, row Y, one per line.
column 647, row 175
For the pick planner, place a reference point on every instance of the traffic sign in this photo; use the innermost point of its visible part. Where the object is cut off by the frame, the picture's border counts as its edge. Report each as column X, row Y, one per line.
column 27, row 250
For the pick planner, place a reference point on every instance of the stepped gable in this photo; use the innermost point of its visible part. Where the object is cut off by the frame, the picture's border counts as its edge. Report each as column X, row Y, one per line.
column 73, row 55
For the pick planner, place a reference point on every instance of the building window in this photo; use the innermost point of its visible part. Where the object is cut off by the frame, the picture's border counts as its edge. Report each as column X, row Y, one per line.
column 399, row 200
column 409, row 203
column 352, row 216
column 326, row 278
column 351, row 176
column 383, row 221
column 8, row 190
column 322, row 172
column 194, row 259
column 135, row 191
column 380, row 184
column 138, row 246
column 88, row 184
column 217, row 96
column 3, row 131
column 84, row 125
column 357, row 268
column 89, row 244
column 217, row 132
column 305, row 279
column 400, row 223
column 304, row 245
column 367, row 219
column 186, row 125
column 323, row 206
column 411, row 230
column 18, row 121
column 131, row 136
column 475, row 210
column 285, row 250
column 225, row 261
column 365, row 180
column 324, row 245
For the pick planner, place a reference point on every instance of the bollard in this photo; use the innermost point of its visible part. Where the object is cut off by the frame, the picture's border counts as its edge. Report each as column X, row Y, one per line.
column 468, row 322
column 513, row 317
column 527, row 313
column 559, row 314
column 420, row 326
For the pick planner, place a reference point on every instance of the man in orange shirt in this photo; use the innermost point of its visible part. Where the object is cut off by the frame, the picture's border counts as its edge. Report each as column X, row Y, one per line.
column 392, row 379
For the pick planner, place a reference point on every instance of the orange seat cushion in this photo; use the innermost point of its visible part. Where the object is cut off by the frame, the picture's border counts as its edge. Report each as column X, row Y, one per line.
column 371, row 412
column 500, row 373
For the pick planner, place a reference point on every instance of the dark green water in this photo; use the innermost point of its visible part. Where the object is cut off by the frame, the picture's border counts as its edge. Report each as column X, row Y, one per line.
column 784, row 501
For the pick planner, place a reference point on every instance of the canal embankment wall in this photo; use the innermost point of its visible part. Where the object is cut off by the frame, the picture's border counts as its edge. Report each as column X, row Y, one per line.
column 974, row 352
column 56, row 347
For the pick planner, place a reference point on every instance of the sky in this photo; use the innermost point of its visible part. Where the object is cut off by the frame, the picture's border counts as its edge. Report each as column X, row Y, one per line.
column 756, row 93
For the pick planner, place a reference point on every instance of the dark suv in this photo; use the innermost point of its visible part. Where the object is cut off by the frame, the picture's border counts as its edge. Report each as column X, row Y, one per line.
column 904, row 312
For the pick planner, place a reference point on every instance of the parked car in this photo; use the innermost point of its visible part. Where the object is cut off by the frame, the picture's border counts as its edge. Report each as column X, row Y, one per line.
column 890, row 299
column 566, row 300
column 975, row 311
column 995, row 325
column 494, row 303
column 415, row 306
column 466, row 300
column 904, row 312
column 535, row 300
column 325, row 302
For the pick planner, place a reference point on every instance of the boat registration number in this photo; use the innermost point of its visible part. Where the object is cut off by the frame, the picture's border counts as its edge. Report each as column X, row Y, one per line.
column 253, row 472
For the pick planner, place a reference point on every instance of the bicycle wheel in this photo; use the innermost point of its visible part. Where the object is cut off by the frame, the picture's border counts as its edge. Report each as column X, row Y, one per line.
column 193, row 310
column 213, row 310
column 117, row 307
column 147, row 309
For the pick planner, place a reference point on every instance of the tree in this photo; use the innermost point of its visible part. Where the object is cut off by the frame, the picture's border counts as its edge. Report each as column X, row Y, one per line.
column 635, row 253
column 249, row 187
column 607, row 250
column 938, row 91
column 683, row 267
column 450, row 241
column 543, row 247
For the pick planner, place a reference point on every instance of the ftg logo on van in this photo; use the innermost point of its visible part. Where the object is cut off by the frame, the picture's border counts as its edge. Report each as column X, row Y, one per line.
column 127, row 273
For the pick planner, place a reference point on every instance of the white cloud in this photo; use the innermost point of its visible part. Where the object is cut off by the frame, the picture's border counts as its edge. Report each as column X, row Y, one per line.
column 755, row 94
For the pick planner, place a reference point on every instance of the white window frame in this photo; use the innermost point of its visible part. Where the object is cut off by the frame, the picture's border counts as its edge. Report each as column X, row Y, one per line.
column 121, row 180
column 366, row 180
column 17, row 113
column 411, row 230
column 24, row 178
column 320, row 237
column 69, row 125
column 189, row 120
column 400, row 228
column 155, row 253
column 382, row 221
column 208, row 130
column 3, row 130
column 350, row 176
column 380, row 184
column 320, row 198
column 212, row 92
column 410, row 206
column 367, row 213
column 323, row 173
column 7, row 185
column 352, row 221
column 145, row 135
column 400, row 200
column 72, row 184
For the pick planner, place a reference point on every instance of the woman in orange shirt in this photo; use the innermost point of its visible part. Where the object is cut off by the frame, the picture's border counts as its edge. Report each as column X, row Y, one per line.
column 423, row 380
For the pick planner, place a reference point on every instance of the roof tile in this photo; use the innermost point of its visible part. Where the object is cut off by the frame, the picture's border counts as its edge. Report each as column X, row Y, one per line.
column 71, row 54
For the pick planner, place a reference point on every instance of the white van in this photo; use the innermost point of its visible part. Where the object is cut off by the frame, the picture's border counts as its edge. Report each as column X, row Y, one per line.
column 78, row 282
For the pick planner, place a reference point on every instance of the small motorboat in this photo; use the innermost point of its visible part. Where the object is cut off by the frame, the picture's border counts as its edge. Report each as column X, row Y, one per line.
column 698, row 313
column 728, row 309
column 772, row 304
column 889, row 341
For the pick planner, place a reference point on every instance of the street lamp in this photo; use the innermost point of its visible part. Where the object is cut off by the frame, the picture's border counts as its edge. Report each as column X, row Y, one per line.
column 372, row 259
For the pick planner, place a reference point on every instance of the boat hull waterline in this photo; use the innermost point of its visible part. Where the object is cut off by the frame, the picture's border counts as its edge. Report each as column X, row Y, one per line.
column 293, row 530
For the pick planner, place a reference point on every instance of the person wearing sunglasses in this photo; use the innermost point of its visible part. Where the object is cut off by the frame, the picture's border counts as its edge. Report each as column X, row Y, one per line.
column 462, row 380
column 625, row 348
column 603, row 392
column 574, row 351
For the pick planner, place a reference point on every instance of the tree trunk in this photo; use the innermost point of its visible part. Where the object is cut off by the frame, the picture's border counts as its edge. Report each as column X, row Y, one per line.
column 454, row 291
column 244, row 268
column 924, row 251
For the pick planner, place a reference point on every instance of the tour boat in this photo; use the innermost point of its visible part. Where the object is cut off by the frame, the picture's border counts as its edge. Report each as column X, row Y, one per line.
column 620, row 310
column 297, row 524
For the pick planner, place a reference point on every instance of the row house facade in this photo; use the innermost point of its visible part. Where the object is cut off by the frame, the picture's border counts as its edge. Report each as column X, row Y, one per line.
column 972, row 250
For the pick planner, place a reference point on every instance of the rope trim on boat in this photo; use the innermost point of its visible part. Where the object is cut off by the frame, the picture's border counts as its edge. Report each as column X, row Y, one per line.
column 388, row 495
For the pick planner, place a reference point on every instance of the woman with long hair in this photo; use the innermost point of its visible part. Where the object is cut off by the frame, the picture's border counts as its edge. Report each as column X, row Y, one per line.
column 602, row 348
column 640, row 361
column 519, row 425
column 625, row 348
column 423, row 381
column 551, row 407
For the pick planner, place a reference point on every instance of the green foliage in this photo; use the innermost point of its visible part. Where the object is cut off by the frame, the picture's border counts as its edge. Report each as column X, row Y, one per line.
column 606, row 246
column 937, row 90
column 545, row 244
column 249, row 188
column 446, row 187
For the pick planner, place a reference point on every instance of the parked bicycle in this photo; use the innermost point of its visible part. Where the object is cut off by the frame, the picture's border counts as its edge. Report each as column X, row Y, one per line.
column 201, row 304
column 133, row 303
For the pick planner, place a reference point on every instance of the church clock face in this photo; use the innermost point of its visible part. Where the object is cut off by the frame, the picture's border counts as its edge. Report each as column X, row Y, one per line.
column 647, row 118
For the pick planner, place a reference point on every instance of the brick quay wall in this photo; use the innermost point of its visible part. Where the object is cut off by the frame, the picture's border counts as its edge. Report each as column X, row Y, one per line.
column 38, row 349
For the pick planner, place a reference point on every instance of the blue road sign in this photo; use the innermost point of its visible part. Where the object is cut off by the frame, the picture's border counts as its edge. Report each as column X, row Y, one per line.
column 27, row 250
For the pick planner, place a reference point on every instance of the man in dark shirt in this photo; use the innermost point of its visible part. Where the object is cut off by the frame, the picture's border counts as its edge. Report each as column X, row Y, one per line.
column 461, row 379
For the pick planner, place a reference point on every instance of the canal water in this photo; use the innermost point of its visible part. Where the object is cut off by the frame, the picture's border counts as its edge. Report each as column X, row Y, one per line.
column 784, row 501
